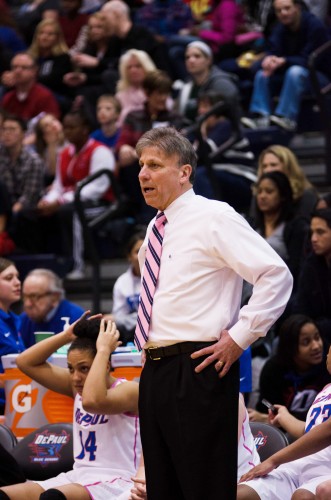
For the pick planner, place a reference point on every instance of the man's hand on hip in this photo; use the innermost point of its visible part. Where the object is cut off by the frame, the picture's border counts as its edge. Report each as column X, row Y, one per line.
column 224, row 353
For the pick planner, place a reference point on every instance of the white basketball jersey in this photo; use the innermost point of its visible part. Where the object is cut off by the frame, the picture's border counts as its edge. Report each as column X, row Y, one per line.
column 248, row 456
column 106, row 441
column 320, row 410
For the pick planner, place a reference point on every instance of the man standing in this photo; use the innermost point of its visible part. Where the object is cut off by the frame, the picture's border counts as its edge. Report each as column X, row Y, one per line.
column 45, row 305
column 189, row 308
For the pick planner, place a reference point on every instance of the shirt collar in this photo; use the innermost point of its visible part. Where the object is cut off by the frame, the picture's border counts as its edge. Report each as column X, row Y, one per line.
column 172, row 210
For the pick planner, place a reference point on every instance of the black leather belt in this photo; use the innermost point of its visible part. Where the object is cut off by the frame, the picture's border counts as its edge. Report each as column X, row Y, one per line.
column 156, row 353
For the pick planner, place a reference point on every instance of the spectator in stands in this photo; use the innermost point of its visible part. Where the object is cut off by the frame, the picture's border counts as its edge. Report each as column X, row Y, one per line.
column 133, row 67
column 281, row 158
column 284, row 68
column 126, row 291
column 95, row 68
column 82, row 157
column 204, row 76
column 32, row 12
column 49, row 142
column 296, row 373
column 226, row 176
column 127, row 35
column 227, row 21
column 28, row 98
column 275, row 220
column 10, row 338
column 73, row 22
column 45, row 305
column 313, row 295
column 21, row 173
column 50, row 52
column 95, row 57
column 157, row 87
column 108, row 111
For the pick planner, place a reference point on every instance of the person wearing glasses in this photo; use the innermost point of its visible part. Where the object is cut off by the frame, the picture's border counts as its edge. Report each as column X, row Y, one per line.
column 45, row 305
column 10, row 339
column 27, row 98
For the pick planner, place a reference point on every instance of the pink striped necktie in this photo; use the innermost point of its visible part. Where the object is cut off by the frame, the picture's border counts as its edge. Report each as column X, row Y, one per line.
column 149, row 280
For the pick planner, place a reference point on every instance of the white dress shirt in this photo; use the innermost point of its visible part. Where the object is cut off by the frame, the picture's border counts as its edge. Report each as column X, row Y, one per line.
column 208, row 249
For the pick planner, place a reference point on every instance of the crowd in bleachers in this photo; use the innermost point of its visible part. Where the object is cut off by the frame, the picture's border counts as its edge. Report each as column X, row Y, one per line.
column 82, row 80
column 61, row 56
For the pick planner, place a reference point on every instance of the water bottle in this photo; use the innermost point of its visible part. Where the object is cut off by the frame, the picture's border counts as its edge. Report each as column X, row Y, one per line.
column 64, row 348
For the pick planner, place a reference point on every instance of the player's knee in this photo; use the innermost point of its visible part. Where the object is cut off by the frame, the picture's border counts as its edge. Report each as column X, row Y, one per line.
column 323, row 491
column 52, row 494
column 244, row 492
column 303, row 495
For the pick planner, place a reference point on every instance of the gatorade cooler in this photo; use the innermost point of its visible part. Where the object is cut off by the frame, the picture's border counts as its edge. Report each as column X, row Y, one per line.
column 126, row 362
column 29, row 405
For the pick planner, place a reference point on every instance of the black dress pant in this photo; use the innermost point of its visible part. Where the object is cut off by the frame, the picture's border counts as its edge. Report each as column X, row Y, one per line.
column 189, row 430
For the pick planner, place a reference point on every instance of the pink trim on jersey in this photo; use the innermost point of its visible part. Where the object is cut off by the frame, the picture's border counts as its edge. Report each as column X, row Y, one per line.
column 132, row 415
column 110, row 482
column 250, row 451
column 135, row 458
column 86, row 486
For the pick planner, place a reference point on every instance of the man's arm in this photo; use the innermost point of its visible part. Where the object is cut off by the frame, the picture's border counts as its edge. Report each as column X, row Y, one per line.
column 252, row 258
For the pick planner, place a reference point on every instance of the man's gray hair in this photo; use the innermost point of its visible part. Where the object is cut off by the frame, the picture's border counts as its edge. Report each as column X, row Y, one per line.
column 54, row 281
column 172, row 143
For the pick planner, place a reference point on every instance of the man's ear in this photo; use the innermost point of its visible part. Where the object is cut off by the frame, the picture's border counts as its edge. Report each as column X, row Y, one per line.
column 186, row 171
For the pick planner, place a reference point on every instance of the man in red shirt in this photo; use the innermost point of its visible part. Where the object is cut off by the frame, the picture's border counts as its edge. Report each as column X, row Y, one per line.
column 28, row 98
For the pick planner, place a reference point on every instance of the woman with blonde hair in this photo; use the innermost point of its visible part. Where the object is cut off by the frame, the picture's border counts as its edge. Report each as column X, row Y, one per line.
column 49, row 142
column 281, row 158
column 49, row 50
column 133, row 67
column 94, row 65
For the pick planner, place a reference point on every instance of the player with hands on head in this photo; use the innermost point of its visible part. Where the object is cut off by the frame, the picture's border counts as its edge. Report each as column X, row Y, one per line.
column 105, row 423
